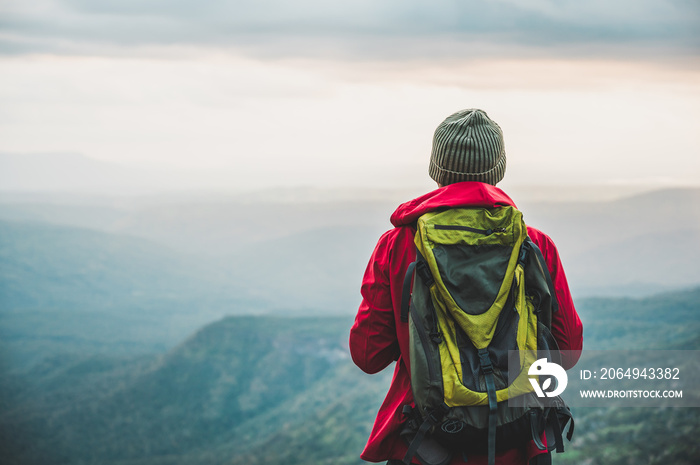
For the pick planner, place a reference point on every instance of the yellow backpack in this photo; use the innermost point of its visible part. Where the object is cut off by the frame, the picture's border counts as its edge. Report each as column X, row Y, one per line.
column 480, row 311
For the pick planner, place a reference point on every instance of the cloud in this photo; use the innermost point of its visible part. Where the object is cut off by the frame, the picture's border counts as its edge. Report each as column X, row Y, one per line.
column 359, row 89
column 362, row 29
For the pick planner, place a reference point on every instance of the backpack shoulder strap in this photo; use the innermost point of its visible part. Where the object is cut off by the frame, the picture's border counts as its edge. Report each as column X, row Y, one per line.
column 545, row 269
column 538, row 282
column 406, row 291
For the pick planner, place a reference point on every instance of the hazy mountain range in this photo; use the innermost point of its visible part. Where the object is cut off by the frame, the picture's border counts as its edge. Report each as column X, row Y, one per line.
column 74, row 172
column 612, row 244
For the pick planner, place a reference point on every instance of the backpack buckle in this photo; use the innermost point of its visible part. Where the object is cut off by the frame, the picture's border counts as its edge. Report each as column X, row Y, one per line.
column 436, row 415
column 485, row 361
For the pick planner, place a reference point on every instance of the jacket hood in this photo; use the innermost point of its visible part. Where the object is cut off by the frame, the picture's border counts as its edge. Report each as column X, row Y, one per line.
column 461, row 194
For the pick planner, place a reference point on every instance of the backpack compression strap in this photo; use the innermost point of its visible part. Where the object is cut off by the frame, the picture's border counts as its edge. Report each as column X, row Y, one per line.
column 558, row 417
column 431, row 420
column 487, row 368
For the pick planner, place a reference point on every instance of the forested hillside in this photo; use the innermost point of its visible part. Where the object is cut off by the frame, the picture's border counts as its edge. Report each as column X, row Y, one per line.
column 228, row 390
column 258, row 390
column 291, row 249
column 624, row 435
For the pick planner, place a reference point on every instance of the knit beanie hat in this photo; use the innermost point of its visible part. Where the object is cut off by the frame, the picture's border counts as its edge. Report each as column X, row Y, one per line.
column 468, row 146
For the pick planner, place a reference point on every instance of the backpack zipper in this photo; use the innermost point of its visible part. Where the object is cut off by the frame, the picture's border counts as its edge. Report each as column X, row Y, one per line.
column 485, row 232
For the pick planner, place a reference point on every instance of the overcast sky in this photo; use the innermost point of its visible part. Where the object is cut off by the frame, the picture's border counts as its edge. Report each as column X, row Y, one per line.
column 269, row 93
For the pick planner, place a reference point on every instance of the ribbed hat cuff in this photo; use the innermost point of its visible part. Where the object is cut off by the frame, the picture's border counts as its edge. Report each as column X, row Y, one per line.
column 444, row 176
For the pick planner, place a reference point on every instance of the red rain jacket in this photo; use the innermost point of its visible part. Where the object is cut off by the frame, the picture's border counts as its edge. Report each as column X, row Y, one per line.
column 378, row 337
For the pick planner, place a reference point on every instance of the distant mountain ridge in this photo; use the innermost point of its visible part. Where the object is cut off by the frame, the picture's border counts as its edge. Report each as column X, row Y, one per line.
column 645, row 243
column 638, row 245
column 115, row 292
